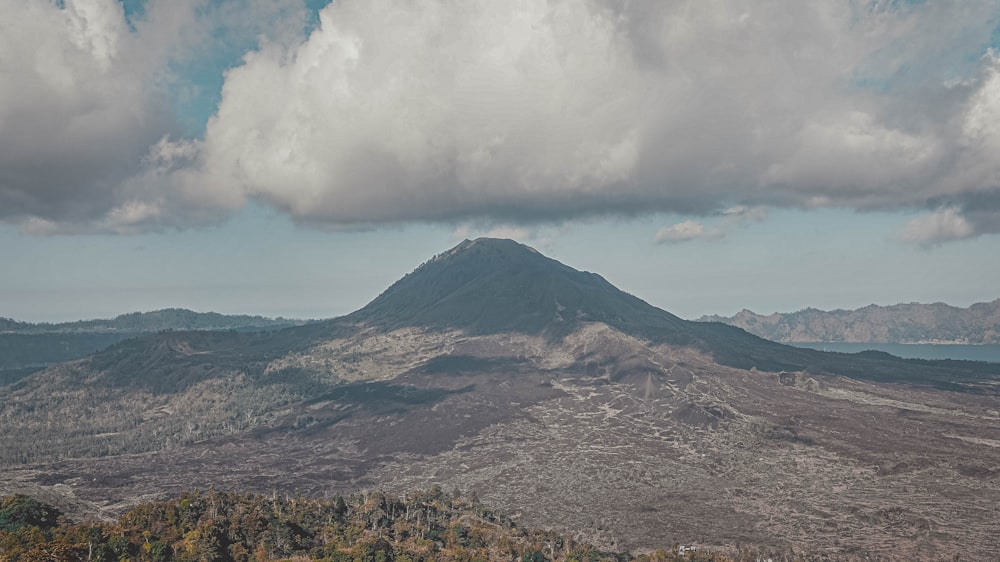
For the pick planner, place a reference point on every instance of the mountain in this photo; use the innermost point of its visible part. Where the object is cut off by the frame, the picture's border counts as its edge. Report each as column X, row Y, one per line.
column 900, row 323
column 553, row 396
column 489, row 286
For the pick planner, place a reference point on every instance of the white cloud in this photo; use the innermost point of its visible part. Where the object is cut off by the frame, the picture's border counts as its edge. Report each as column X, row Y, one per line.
column 432, row 110
column 547, row 110
column 728, row 221
column 944, row 225
column 685, row 232
column 530, row 112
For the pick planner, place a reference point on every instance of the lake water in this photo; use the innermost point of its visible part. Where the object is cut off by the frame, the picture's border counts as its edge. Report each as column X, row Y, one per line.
column 914, row 350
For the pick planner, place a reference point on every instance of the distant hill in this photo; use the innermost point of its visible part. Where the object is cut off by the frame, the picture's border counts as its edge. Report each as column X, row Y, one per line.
column 901, row 323
column 155, row 321
column 26, row 347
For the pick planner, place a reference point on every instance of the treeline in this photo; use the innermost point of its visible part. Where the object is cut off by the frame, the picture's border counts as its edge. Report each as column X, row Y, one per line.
column 369, row 527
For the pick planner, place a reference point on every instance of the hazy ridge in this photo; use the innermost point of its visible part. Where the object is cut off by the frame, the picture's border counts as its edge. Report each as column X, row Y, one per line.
column 26, row 347
column 900, row 323
column 153, row 321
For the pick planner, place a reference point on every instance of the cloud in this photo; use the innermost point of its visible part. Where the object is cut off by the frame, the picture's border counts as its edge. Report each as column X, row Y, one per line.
column 685, row 232
column 957, row 218
column 435, row 111
column 75, row 117
column 941, row 226
column 532, row 112
column 727, row 222
column 86, row 113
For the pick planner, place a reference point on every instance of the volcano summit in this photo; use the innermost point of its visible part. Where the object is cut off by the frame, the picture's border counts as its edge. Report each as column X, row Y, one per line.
column 556, row 397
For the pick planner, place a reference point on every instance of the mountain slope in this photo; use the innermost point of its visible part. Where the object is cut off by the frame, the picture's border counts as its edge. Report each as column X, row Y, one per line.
column 901, row 323
column 491, row 286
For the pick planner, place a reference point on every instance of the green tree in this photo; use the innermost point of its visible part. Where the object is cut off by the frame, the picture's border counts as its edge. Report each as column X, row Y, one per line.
column 19, row 511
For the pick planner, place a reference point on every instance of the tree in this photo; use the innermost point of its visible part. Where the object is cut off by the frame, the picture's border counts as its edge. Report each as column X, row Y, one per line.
column 19, row 511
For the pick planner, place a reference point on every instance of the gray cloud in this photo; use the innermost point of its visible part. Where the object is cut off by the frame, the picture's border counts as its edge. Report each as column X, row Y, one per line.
column 548, row 110
column 86, row 112
column 955, row 218
column 73, row 122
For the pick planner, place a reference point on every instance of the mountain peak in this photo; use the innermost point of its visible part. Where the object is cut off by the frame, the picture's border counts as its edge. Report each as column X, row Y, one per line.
column 491, row 285
column 494, row 247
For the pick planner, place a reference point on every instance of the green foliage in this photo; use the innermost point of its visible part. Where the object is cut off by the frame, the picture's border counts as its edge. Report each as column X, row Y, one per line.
column 21, row 511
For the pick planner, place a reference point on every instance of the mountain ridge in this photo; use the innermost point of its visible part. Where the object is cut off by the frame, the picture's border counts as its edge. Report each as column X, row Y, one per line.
column 150, row 321
column 26, row 347
column 978, row 323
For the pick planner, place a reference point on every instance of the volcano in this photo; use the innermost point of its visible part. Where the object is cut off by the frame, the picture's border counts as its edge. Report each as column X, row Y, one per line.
column 553, row 395
column 489, row 286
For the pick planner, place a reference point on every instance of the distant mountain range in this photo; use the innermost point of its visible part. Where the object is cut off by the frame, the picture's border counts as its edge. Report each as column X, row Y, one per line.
column 900, row 323
column 155, row 321
column 551, row 394
column 26, row 347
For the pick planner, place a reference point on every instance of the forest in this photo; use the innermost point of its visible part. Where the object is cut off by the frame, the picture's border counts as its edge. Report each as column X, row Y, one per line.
column 209, row 526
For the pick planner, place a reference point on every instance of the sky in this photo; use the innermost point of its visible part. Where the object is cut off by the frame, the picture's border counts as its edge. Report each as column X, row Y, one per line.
column 294, row 158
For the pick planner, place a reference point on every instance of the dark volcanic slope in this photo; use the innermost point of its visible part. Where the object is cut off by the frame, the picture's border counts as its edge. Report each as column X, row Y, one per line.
column 490, row 286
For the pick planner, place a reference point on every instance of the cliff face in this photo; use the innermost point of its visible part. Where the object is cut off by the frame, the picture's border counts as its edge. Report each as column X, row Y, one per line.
column 901, row 323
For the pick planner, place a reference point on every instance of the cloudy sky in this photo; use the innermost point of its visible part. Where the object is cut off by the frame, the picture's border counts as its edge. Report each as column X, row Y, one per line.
column 294, row 157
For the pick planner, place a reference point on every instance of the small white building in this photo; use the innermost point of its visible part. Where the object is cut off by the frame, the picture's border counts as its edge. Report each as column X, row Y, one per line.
column 682, row 550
